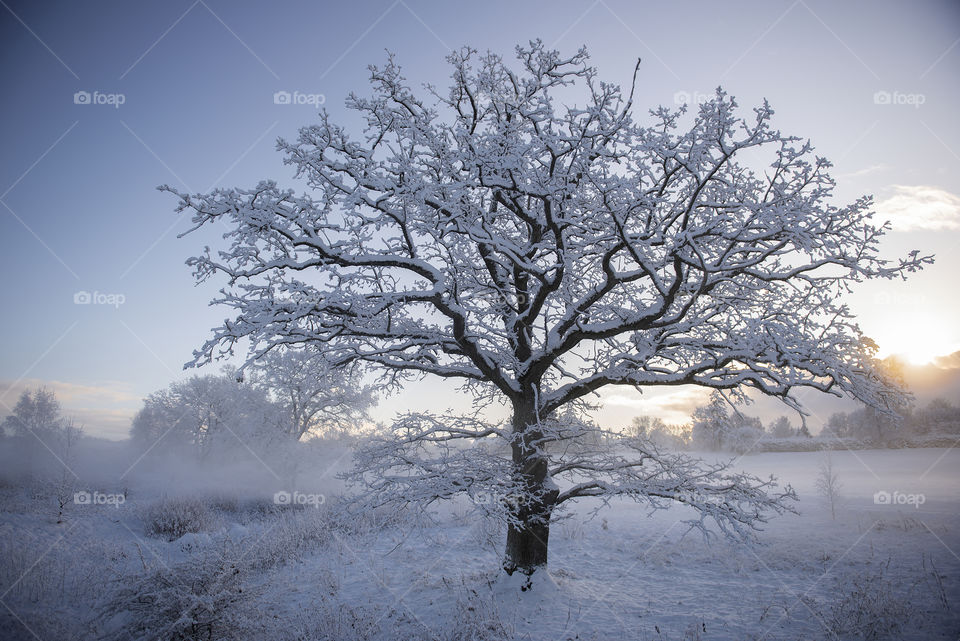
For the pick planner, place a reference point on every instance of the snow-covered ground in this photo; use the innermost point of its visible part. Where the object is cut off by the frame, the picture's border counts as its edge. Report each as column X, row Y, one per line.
column 887, row 570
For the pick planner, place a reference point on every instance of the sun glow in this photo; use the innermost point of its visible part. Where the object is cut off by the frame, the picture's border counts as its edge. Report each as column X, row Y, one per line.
column 918, row 344
column 921, row 355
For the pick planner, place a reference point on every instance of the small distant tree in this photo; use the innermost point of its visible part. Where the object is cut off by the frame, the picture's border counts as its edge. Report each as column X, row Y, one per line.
column 939, row 417
column 781, row 428
column 208, row 414
column 47, row 442
column 745, row 434
column 712, row 423
column 645, row 426
column 65, row 442
column 319, row 398
column 538, row 252
column 828, row 484
column 36, row 414
column 670, row 436
column 838, row 425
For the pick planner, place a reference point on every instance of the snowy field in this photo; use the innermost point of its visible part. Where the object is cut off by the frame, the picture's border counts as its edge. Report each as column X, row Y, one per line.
column 254, row 570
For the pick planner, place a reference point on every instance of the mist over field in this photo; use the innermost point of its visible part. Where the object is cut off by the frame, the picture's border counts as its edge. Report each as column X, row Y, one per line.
column 164, row 542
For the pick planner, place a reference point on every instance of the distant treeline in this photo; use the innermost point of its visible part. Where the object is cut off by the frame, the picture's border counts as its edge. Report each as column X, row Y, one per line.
column 716, row 426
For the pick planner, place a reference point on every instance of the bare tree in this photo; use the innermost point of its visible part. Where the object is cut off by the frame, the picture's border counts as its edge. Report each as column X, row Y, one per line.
column 320, row 398
column 828, row 484
column 538, row 253
column 36, row 414
column 48, row 443
column 209, row 415
column 712, row 426
column 781, row 428
column 64, row 449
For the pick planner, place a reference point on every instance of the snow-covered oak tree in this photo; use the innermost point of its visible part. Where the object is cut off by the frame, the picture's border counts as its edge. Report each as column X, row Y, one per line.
column 538, row 253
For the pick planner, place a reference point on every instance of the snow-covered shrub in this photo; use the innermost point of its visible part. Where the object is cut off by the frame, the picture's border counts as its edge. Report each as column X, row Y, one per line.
column 174, row 517
column 368, row 521
column 204, row 597
column 571, row 529
column 42, row 572
column 866, row 606
column 292, row 534
column 477, row 619
column 40, row 569
column 335, row 621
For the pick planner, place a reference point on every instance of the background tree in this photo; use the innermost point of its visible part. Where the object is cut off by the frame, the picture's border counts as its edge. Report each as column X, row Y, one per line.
column 746, row 434
column 36, row 413
column 828, row 484
column 838, row 425
column 781, row 428
column 64, row 483
column 719, row 426
column 45, row 444
column 712, row 425
column 319, row 398
column 211, row 414
column 538, row 252
column 938, row 417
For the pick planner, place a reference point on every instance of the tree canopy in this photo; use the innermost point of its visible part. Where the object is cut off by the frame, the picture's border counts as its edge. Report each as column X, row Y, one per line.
column 539, row 252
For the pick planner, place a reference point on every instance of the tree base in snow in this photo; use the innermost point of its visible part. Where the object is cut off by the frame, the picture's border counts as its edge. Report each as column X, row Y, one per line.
column 520, row 582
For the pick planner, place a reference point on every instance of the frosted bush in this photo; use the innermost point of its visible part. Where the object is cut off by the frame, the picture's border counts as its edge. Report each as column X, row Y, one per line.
column 293, row 533
column 476, row 619
column 174, row 517
column 866, row 606
column 205, row 597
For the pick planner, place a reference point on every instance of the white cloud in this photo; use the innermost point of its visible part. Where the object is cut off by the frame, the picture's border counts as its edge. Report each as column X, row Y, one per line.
column 866, row 171
column 920, row 207
column 111, row 393
column 674, row 406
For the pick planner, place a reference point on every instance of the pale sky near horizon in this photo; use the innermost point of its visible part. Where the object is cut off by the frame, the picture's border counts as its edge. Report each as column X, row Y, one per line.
column 104, row 101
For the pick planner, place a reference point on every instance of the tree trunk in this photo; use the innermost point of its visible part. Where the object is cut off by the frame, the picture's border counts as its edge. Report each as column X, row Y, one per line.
column 529, row 533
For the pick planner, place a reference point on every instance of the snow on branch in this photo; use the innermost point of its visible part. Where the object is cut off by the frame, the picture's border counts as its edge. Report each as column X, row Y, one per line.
column 735, row 503
column 493, row 235
column 530, row 235
column 422, row 458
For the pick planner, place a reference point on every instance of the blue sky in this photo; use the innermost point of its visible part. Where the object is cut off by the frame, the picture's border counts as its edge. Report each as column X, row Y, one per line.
column 103, row 101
